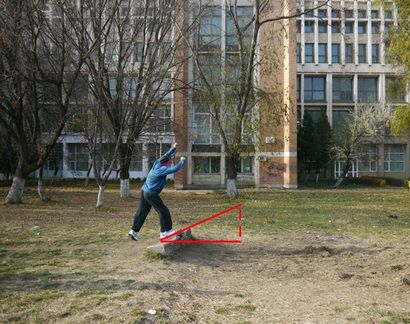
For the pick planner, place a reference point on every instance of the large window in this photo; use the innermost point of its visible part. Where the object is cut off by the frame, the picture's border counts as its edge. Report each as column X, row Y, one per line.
column 349, row 27
column 207, row 165
column 309, row 26
column 322, row 26
column 243, row 17
column 394, row 157
column 210, row 27
column 322, row 53
column 205, row 128
column 160, row 121
column 78, row 157
column 136, row 158
column 375, row 53
column 315, row 88
column 367, row 89
column 395, row 90
column 362, row 27
column 349, row 53
column 342, row 89
column 362, row 53
column 340, row 118
column 309, row 53
column 368, row 159
column 335, row 53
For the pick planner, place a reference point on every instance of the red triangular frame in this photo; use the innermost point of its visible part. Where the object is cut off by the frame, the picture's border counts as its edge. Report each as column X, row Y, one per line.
column 238, row 206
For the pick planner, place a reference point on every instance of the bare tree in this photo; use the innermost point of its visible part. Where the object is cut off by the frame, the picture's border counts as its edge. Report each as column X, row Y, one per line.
column 229, row 91
column 133, row 67
column 365, row 125
column 38, row 75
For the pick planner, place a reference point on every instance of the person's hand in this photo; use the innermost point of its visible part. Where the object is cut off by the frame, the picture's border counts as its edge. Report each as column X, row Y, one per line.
column 183, row 158
column 175, row 145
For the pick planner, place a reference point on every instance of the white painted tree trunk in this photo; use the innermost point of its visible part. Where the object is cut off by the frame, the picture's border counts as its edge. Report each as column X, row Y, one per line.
column 232, row 191
column 16, row 191
column 125, row 188
column 40, row 189
column 100, row 199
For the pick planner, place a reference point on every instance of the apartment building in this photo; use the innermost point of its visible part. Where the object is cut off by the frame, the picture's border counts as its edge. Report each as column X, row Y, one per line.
column 341, row 63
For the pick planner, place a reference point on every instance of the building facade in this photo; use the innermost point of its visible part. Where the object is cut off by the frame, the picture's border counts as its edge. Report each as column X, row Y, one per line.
column 331, row 59
column 341, row 63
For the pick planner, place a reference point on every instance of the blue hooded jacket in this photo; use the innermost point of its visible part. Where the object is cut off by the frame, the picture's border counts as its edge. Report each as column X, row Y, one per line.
column 156, row 178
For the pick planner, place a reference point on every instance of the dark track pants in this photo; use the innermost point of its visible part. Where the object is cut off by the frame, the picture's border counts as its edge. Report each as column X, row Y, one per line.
column 146, row 202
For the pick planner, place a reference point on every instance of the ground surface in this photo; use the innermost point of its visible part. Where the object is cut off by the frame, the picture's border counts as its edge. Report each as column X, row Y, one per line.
column 309, row 256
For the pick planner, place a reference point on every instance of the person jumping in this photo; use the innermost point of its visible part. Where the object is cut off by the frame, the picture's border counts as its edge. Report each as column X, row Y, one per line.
column 150, row 191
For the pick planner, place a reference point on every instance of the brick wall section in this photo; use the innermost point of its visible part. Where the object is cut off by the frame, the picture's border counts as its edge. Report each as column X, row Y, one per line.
column 278, row 42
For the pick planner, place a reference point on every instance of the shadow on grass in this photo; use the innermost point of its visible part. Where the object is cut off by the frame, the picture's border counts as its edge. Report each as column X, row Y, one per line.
column 43, row 281
column 214, row 255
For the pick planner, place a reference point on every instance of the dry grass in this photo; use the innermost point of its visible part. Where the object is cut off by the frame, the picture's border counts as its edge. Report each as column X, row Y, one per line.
column 308, row 255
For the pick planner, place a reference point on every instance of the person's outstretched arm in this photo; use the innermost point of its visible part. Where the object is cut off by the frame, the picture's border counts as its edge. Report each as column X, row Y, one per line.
column 173, row 169
column 170, row 152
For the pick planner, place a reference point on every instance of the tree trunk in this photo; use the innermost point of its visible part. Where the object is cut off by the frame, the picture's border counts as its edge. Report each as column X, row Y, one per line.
column 125, row 188
column 125, row 162
column 100, row 199
column 231, row 188
column 346, row 169
column 16, row 190
column 317, row 177
column 40, row 187
column 88, row 174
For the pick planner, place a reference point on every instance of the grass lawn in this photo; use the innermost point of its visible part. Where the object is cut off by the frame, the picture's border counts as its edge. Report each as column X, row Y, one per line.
column 307, row 255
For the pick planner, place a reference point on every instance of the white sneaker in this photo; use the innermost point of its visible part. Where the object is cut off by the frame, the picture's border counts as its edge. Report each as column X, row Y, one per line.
column 133, row 235
column 167, row 233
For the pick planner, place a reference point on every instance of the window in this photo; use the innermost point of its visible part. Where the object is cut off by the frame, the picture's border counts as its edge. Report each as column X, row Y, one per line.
column 243, row 17
column 349, row 53
column 298, row 53
column 335, row 27
column 136, row 158
column 322, row 53
column 335, row 13
column 298, row 88
column 160, row 121
column 387, row 27
column 139, row 51
column 367, row 89
column 322, row 27
column 394, row 157
column 335, row 53
column 54, row 161
column 368, row 159
column 315, row 88
column 78, row 157
column 207, row 165
column 395, row 90
column 375, row 28
column 210, row 27
column 361, row 14
column 322, row 13
column 309, row 26
column 244, row 165
column 362, row 27
column 205, row 130
column 362, row 53
column 349, row 13
column 309, row 53
column 298, row 26
column 314, row 113
column 388, row 14
column 342, row 89
column 375, row 53
column 349, row 27
column 375, row 14
column 340, row 118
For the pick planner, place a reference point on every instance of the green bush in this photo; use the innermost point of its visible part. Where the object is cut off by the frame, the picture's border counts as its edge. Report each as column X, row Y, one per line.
column 367, row 181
